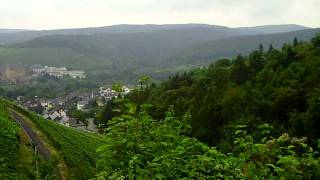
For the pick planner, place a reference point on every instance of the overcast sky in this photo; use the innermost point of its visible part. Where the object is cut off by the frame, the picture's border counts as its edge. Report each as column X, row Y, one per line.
column 52, row 14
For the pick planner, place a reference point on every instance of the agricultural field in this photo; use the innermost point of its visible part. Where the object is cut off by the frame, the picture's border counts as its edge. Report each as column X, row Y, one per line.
column 17, row 157
column 77, row 148
column 9, row 143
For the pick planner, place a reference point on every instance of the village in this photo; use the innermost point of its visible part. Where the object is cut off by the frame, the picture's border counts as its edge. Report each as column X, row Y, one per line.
column 61, row 109
column 64, row 108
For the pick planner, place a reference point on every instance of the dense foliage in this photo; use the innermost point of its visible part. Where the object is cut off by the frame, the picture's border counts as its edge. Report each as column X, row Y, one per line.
column 9, row 144
column 280, row 87
column 233, row 104
column 46, row 87
column 139, row 147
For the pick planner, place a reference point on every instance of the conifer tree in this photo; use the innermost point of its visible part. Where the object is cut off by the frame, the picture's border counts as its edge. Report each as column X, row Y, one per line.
column 270, row 48
column 295, row 42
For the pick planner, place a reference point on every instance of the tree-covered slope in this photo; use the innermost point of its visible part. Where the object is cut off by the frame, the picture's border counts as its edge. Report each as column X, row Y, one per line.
column 208, row 30
column 12, row 36
column 204, row 53
column 261, row 111
column 134, row 46
column 11, row 30
column 157, row 53
column 275, row 86
column 54, row 56
column 141, row 147
column 271, row 29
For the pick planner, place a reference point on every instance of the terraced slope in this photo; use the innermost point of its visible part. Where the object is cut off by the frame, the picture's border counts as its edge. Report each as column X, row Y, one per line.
column 74, row 147
column 18, row 159
column 9, row 144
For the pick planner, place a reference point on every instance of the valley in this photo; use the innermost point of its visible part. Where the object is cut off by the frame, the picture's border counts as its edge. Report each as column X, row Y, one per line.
column 159, row 90
column 243, row 117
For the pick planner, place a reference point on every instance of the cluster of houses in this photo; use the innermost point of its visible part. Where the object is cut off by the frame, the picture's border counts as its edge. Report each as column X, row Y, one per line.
column 57, row 72
column 83, row 101
column 58, row 115
column 107, row 93
column 58, row 109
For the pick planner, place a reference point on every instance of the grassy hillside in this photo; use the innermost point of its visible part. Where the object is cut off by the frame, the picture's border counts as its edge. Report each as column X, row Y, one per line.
column 9, row 144
column 75, row 147
column 17, row 157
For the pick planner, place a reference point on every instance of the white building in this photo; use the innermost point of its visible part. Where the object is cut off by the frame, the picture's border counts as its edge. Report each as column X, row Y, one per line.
column 81, row 105
column 56, row 71
column 76, row 74
column 125, row 90
column 108, row 93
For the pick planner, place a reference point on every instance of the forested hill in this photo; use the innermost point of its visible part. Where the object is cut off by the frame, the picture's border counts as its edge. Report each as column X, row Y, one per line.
column 156, row 51
column 204, row 53
column 12, row 36
column 269, row 29
column 280, row 87
column 260, row 112
column 11, row 30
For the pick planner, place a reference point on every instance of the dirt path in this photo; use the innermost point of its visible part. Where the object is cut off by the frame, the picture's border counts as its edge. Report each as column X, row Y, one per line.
column 41, row 142
column 33, row 137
